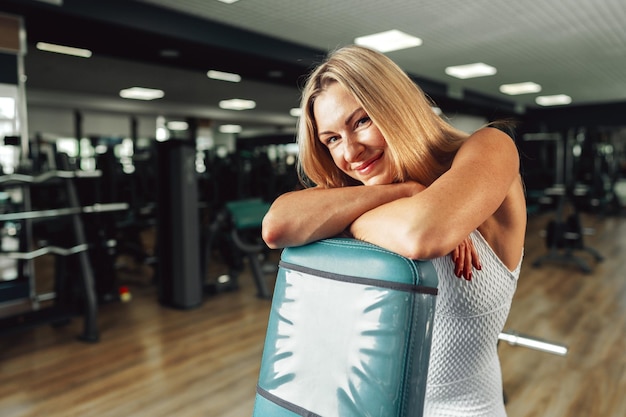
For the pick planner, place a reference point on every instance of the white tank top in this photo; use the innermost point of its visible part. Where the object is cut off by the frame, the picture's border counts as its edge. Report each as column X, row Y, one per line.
column 464, row 377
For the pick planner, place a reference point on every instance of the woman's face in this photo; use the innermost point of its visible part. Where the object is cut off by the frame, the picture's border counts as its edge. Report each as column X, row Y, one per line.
column 356, row 145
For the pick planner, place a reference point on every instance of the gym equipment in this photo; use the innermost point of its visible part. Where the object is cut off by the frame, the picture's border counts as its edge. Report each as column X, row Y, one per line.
column 178, row 237
column 24, row 286
column 517, row 339
column 237, row 229
column 247, row 217
column 542, row 159
column 349, row 333
column 564, row 234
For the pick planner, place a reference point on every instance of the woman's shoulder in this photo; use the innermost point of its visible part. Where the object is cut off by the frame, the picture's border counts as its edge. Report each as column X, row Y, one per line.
column 506, row 126
column 494, row 132
column 490, row 140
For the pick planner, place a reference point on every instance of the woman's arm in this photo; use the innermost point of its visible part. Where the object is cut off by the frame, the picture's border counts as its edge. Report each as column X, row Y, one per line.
column 433, row 222
column 300, row 217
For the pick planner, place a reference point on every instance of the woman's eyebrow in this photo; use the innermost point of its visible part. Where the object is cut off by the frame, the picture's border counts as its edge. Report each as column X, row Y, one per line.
column 351, row 115
column 346, row 121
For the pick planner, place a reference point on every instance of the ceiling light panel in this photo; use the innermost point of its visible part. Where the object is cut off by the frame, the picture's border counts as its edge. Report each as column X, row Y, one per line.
column 178, row 125
column 230, row 129
column 520, row 88
column 237, row 104
column 223, row 76
column 554, row 100
column 169, row 53
column 391, row 40
column 65, row 50
column 140, row 93
column 478, row 69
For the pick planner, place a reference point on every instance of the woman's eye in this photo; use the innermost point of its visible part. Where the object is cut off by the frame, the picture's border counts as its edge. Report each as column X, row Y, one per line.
column 363, row 120
column 330, row 140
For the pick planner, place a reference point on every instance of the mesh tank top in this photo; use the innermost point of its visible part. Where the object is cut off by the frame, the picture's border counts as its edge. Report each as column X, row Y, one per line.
column 464, row 377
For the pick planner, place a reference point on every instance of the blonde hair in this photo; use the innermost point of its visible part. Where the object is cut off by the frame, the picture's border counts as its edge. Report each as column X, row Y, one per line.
column 420, row 143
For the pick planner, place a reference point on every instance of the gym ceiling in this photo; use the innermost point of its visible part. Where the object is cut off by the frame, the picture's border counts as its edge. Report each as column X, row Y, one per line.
column 572, row 47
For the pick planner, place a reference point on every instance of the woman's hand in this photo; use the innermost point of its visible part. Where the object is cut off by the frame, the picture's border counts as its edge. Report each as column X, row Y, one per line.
column 465, row 257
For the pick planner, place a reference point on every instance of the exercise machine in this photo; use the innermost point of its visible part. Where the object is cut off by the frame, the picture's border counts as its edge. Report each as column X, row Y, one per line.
column 236, row 231
column 349, row 333
column 564, row 234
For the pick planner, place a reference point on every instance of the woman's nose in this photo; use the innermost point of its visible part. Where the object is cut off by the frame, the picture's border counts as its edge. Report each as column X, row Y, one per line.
column 352, row 149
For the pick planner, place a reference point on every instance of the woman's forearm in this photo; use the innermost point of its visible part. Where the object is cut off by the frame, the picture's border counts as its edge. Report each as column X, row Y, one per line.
column 432, row 223
column 300, row 217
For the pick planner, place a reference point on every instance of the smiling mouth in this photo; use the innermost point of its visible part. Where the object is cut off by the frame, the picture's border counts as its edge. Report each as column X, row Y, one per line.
column 364, row 166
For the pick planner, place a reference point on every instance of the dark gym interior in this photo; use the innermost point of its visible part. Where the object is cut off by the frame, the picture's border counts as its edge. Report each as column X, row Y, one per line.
column 133, row 277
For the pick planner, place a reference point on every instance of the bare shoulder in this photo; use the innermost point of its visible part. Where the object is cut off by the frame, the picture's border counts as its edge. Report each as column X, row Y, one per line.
column 491, row 136
column 489, row 146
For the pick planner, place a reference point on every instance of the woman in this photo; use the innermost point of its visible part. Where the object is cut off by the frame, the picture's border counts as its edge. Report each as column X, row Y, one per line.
column 389, row 171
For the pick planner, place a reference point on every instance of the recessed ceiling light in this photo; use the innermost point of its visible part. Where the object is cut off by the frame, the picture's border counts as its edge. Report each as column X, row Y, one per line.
column 178, row 125
column 554, row 100
column 228, row 1
column 224, row 76
column 60, row 49
column 230, row 128
column 520, row 88
column 169, row 53
column 295, row 112
column 237, row 104
column 478, row 69
column 140, row 93
column 391, row 40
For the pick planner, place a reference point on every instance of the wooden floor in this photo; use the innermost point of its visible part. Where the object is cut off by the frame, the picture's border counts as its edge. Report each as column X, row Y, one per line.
column 156, row 361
